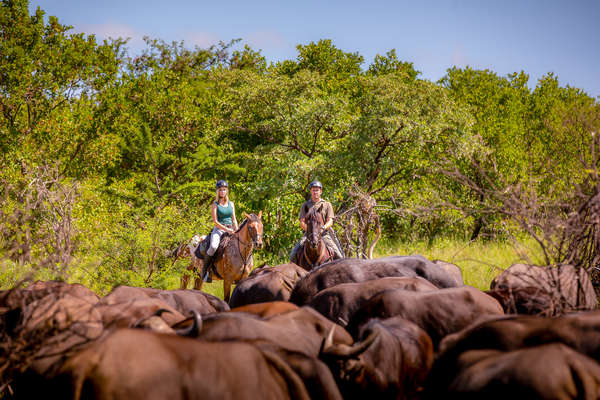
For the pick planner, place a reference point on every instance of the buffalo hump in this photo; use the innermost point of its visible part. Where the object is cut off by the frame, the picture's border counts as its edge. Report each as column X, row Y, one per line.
column 135, row 364
column 340, row 302
column 267, row 284
column 551, row 371
column 358, row 270
column 439, row 312
column 569, row 287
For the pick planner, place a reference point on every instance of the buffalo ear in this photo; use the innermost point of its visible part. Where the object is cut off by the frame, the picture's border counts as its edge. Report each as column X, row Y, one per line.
column 259, row 214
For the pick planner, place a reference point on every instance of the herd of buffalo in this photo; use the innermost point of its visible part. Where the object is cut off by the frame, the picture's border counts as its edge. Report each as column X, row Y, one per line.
column 399, row 327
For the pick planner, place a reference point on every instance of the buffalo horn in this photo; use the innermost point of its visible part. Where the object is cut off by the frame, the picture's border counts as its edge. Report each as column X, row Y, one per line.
column 140, row 322
column 195, row 329
column 343, row 350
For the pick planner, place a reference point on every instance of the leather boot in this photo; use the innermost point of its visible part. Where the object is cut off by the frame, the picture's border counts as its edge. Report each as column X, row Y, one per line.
column 207, row 264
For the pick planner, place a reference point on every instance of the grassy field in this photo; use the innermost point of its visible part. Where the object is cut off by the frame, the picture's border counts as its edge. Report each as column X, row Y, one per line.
column 480, row 262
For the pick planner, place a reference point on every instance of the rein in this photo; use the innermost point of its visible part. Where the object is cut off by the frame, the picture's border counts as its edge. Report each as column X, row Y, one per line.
column 323, row 256
column 251, row 243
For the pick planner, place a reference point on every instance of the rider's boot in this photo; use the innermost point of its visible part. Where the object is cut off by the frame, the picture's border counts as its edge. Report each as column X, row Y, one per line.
column 207, row 264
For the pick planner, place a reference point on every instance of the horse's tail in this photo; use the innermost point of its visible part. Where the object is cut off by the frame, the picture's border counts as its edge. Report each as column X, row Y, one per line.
column 177, row 251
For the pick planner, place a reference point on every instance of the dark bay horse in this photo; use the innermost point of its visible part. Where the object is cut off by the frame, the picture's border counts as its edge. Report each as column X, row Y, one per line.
column 235, row 260
column 313, row 252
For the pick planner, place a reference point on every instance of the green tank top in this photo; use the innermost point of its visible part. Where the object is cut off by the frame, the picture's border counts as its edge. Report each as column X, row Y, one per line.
column 225, row 214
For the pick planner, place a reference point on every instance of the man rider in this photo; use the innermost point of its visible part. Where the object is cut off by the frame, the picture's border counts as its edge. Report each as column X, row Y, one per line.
column 316, row 189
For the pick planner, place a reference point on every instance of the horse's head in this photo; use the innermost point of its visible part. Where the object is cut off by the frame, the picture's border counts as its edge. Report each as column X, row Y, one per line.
column 255, row 229
column 314, row 226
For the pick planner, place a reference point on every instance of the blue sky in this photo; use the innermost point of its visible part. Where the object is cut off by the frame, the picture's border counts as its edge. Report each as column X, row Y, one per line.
column 504, row 36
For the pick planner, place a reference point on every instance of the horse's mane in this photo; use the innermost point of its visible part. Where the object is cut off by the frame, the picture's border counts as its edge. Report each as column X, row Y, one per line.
column 313, row 212
column 253, row 218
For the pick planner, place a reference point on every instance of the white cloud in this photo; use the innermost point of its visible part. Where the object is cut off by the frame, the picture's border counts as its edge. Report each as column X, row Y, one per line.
column 201, row 39
column 459, row 58
column 114, row 30
column 111, row 29
column 257, row 40
column 266, row 40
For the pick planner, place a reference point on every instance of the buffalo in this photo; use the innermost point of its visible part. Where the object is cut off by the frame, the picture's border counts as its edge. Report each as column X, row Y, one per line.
column 550, row 371
column 135, row 364
column 268, row 309
column 340, row 302
column 267, row 284
column 394, row 366
column 570, row 288
column 303, row 330
column 350, row 270
column 439, row 312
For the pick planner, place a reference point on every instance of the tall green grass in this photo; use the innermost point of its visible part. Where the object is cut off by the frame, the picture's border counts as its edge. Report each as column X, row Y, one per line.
column 480, row 261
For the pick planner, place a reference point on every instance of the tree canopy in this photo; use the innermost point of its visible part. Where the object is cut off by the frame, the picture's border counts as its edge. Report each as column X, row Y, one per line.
column 128, row 147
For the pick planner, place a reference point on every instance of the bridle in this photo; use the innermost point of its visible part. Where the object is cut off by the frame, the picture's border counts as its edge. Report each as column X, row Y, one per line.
column 255, row 240
column 315, row 237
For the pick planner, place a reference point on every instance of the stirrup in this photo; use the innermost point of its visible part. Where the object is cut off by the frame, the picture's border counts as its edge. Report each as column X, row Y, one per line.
column 207, row 277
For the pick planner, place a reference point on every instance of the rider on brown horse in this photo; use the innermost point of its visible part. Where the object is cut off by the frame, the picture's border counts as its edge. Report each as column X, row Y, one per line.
column 316, row 188
column 223, row 215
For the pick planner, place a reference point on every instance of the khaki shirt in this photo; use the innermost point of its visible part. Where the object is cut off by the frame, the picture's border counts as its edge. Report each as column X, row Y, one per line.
column 326, row 211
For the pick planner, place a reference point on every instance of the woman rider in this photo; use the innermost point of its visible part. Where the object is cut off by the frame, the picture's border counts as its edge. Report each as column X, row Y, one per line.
column 223, row 215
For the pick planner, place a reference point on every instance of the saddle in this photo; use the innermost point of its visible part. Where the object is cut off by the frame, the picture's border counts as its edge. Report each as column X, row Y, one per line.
column 200, row 251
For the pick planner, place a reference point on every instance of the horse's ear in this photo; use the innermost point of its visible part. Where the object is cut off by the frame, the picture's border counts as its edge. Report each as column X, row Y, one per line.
column 259, row 214
column 246, row 215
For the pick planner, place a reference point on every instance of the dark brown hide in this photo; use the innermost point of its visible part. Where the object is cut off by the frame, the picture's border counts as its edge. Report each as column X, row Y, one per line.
column 267, row 284
column 187, row 300
column 128, row 313
column 571, row 289
column 266, row 310
column 453, row 270
column 301, row 331
column 439, row 312
column 393, row 367
column 44, row 324
column 183, row 300
column 524, row 300
column 552, row 371
column 580, row 331
column 124, row 306
column 340, row 302
column 135, row 364
column 21, row 297
column 315, row 374
column 350, row 270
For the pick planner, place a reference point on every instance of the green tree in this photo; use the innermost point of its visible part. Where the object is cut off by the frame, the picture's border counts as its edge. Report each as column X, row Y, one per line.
column 44, row 71
column 390, row 63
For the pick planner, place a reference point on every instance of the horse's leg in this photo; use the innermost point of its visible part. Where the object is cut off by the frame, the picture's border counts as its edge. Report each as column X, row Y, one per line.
column 185, row 277
column 227, row 289
column 198, row 281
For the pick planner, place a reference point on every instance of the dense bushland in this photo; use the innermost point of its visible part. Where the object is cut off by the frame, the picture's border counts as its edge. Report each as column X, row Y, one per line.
column 108, row 159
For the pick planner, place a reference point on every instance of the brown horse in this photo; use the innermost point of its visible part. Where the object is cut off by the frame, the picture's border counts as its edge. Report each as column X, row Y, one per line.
column 236, row 260
column 313, row 252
